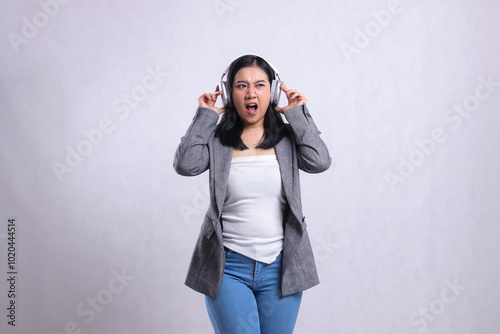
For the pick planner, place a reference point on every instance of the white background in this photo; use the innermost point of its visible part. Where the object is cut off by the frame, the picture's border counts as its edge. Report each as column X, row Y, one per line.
column 387, row 251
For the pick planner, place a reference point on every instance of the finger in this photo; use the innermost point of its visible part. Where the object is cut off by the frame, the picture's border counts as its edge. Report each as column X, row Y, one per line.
column 217, row 89
column 301, row 99
column 204, row 98
column 283, row 87
column 298, row 95
column 292, row 94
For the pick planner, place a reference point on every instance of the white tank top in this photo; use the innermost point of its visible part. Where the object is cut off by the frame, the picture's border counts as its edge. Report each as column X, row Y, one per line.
column 252, row 215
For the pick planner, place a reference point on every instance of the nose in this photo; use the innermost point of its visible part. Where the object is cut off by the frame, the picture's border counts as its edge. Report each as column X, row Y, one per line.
column 251, row 91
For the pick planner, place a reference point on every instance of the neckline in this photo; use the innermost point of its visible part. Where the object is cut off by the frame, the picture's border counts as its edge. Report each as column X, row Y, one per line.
column 256, row 157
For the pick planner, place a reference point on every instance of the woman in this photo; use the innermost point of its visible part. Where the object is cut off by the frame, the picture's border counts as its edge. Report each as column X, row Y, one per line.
column 253, row 257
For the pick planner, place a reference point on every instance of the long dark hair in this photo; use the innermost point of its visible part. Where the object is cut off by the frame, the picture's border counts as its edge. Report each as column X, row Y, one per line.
column 230, row 127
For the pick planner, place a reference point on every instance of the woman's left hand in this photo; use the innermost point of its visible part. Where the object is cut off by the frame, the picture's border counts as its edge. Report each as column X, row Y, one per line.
column 294, row 99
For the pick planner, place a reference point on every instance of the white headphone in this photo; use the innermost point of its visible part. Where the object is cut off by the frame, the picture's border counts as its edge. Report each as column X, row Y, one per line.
column 275, row 84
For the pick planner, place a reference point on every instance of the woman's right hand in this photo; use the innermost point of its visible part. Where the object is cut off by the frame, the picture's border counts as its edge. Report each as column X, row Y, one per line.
column 207, row 100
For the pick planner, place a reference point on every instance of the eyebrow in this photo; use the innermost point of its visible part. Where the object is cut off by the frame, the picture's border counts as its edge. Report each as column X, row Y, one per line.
column 243, row 81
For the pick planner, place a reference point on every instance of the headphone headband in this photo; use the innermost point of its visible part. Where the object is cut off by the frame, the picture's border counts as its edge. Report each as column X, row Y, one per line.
column 276, row 72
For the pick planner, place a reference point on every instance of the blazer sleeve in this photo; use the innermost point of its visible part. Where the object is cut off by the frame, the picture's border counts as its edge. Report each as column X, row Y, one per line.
column 312, row 153
column 192, row 155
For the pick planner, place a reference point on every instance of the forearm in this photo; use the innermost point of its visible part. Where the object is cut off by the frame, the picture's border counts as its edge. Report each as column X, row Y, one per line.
column 192, row 156
column 312, row 152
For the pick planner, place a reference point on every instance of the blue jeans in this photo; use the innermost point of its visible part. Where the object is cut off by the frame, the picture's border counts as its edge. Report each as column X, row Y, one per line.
column 250, row 300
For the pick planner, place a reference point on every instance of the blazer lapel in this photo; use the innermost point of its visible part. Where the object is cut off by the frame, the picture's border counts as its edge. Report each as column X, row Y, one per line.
column 222, row 164
column 284, row 155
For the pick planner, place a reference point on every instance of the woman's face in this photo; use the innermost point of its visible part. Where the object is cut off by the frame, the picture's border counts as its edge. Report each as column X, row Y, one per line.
column 251, row 94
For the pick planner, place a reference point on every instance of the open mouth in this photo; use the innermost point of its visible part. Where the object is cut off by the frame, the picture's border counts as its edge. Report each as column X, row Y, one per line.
column 252, row 108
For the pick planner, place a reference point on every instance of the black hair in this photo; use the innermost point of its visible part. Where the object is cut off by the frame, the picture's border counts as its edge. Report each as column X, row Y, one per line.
column 230, row 127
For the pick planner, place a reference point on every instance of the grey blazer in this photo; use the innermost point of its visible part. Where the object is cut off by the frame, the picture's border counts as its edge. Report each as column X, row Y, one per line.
column 302, row 149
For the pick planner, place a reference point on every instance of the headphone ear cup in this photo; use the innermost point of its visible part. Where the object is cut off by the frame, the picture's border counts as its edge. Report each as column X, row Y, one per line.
column 275, row 92
column 226, row 96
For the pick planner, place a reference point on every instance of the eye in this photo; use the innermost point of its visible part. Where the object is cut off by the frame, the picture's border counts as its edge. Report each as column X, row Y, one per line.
column 241, row 86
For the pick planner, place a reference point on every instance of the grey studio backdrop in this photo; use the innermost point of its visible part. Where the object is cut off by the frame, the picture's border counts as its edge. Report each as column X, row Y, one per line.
column 95, row 96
